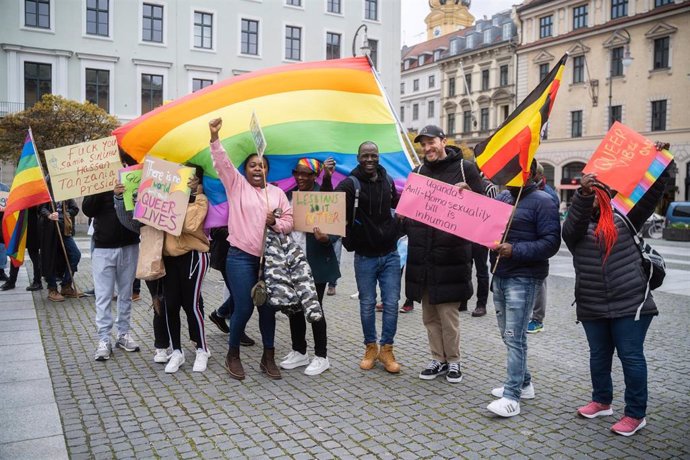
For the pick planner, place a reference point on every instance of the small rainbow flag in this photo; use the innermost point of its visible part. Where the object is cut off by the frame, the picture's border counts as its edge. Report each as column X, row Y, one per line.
column 625, row 203
column 28, row 189
column 315, row 109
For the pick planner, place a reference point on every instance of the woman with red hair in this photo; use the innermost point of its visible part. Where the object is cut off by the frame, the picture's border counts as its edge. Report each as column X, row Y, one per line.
column 611, row 296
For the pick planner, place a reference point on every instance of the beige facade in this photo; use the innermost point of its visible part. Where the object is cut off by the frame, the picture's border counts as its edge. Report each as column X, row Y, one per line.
column 651, row 94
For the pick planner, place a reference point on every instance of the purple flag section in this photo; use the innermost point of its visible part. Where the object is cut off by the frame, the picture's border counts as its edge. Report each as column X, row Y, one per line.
column 466, row 214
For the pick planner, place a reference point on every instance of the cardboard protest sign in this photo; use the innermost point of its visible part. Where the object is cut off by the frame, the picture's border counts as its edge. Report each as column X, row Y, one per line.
column 3, row 200
column 325, row 210
column 466, row 214
column 621, row 159
column 130, row 177
column 83, row 169
column 163, row 195
column 257, row 135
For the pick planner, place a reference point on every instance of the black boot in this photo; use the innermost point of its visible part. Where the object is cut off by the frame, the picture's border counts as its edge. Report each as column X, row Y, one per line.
column 3, row 275
column 7, row 286
column 35, row 286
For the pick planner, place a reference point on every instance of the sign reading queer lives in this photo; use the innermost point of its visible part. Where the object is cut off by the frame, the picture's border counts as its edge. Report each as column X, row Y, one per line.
column 466, row 214
column 83, row 169
column 163, row 195
column 621, row 159
column 325, row 210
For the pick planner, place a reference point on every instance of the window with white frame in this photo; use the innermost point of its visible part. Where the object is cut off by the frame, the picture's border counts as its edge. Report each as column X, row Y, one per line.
column 661, row 52
column 200, row 83
column 97, row 17
column 293, row 43
column 485, row 79
column 151, row 92
column 152, row 24
column 334, row 6
column 250, row 37
column 374, row 52
column 333, row 45
column 203, row 30
column 430, row 109
column 619, row 8
column 402, row 113
column 371, row 10
column 415, row 111
column 450, row 124
column 97, row 87
column 484, row 119
column 507, row 31
column 432, row 81
column 420, row 60
column 38, row 80
column 37, row 13
column 503, row 75
column 579, row 17
column 659, row 115
column 578, row 69
column 415, row 84
column 576, row 123
column 658, row 3
column 546, row 26
column 294, row 2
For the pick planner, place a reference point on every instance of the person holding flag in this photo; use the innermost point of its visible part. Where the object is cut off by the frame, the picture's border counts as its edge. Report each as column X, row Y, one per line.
column 533, row 235
column 28, row 189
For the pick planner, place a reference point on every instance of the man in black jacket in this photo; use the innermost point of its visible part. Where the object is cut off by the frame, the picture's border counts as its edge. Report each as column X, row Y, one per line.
column 439, row 264
column 114, row 262
column 372, row 233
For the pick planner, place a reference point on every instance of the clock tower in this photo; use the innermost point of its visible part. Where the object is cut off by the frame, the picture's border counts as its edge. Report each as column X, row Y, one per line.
column 447, row 16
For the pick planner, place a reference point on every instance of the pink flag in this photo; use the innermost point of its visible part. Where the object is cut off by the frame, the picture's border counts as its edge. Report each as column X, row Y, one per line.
column 466, row 214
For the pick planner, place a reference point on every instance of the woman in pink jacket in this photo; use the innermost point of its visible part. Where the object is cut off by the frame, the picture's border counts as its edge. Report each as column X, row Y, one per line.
column 249, row 214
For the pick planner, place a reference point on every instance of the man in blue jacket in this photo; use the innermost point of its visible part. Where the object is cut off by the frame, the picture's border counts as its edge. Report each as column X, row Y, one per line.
column 534, row 236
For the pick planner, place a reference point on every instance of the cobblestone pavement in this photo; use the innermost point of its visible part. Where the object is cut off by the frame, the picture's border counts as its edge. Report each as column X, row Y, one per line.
column 128, row 407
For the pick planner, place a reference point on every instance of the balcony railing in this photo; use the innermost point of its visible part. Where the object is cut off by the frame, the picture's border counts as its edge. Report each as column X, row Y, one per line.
column 7, row 108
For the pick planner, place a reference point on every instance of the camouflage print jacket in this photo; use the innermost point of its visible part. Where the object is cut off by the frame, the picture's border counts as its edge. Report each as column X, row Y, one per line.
column 288, row 278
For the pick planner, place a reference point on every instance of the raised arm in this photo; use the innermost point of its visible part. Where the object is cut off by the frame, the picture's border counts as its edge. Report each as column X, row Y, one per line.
column 229, row 176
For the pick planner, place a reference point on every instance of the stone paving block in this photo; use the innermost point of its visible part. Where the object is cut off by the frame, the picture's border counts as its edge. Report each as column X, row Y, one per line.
column 22, row 352
column 32, row 422
column 26, row 393
column 33, row 449
column 18, row 325
column 24, row 370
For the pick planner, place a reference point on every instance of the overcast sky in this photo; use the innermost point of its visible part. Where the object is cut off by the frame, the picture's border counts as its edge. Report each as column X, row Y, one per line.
column 414, row 12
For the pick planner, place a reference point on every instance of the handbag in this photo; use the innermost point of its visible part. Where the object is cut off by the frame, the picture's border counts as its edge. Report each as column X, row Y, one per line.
column 150, row 264
column 259, row 292
column 653, row 263
column 68, row 225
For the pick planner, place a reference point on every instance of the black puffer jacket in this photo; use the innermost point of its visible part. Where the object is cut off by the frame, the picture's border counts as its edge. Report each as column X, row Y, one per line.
column 438, row 261
column 617, row 288
column 375, row 231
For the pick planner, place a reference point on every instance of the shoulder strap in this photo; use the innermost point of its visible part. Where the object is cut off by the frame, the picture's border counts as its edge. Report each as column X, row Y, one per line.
column 639, row 242
column 631, row 227
column 355, row 204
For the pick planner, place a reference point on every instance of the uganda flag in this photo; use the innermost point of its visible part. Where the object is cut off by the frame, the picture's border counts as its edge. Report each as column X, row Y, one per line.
column 505, row 157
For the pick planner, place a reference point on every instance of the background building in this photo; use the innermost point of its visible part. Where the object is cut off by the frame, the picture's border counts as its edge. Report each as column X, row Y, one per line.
column 629, row 61
column 128, row 56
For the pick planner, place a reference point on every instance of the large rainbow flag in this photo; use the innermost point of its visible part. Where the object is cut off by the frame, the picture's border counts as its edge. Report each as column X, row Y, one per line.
column 315, row 109
column 625, row 203
column 28, row 189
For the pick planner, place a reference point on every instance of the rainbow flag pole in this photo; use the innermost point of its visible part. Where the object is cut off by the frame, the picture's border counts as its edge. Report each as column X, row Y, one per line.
column 52, row 206
column 404, row 140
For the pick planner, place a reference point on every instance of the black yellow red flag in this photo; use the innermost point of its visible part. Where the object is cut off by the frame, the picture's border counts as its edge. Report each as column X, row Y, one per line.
column 505, row 157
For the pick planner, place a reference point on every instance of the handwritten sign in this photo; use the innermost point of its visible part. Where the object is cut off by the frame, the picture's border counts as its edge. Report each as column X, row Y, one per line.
column 257, row 135
column 325, row 210
column 621, row 159
column 83, row 169
column 3, row 200
column 130, row 177
column 466, row 214
column 163, row 195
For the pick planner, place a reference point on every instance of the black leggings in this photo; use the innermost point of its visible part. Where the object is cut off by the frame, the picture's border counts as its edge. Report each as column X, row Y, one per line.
column 298, row 329
column 182, row 288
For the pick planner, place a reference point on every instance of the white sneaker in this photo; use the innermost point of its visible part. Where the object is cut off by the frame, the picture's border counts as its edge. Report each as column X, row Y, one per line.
column 201, row 360
column 176, row 360
column 161, row 356
column 527, row 392
column 103, row 351
column 317, row 366
column 294, row 359
column 504, row 407
column 355, row 296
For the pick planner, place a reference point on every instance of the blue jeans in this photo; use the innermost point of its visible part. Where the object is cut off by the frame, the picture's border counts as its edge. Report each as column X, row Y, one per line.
column 3, row 256
column 242, row 270
column 514, row 301
column 73, row 255
column 626, row 336
column 386, row 271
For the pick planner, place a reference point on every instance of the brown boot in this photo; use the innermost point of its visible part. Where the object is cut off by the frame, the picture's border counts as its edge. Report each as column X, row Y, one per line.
column 268, row 364
column 67, row 291
column 370, row 355
column 55, row 296
column 233, row 364
column 387, row 358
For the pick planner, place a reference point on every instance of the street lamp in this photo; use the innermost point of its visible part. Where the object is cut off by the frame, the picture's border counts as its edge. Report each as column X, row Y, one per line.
column 626, row 61
column 365, row 49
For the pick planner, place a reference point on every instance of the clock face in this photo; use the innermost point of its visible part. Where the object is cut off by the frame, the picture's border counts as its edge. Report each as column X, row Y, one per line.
column 437, row 31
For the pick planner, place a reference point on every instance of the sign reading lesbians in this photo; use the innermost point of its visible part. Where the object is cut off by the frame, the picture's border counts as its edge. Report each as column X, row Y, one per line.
column 621, row 159
column 466, row 214
column 130, row 177
column 325, row 210
column 83, row 169
column 163, row 195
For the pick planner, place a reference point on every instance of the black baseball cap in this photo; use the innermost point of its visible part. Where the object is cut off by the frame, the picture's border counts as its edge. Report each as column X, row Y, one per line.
column 430, row 131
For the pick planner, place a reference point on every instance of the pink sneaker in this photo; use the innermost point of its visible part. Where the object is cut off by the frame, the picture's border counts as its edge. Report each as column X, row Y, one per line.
column 628, row 426
column 595, row 409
